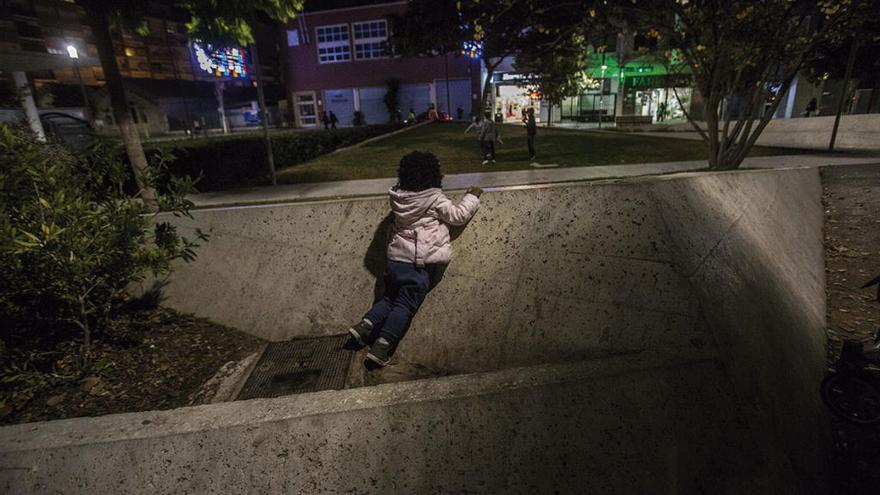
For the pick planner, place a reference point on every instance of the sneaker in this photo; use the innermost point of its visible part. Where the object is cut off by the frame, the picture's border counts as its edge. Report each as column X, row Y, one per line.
column 361, row 331
column 493, row 161
column 380, row 352
column 485, row 162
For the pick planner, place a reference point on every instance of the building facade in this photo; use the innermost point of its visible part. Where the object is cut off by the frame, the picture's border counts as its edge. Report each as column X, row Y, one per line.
column 339, row 60
column 160, row 51
column 170, row 87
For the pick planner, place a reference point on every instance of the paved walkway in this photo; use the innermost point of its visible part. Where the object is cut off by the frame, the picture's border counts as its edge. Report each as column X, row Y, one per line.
column 486, row 180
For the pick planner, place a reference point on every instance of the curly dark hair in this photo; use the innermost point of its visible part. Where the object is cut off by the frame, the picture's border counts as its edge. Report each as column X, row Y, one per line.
column 418, row 171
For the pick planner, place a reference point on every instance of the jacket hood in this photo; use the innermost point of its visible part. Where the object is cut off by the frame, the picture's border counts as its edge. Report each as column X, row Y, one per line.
column 409, row 206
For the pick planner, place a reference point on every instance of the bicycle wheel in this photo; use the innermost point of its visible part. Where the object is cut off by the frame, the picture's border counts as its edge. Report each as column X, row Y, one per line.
column 852, row 397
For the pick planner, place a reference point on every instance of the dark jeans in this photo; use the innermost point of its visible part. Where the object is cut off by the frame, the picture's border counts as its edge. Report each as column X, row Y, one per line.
column 531, row 145
column 405, row 288
column 488, row 148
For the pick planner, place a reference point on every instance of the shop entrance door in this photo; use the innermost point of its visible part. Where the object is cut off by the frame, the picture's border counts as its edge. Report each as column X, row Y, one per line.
column 305, row 108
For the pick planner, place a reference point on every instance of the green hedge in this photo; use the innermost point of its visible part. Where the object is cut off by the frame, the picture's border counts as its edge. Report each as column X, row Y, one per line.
column 237, row 160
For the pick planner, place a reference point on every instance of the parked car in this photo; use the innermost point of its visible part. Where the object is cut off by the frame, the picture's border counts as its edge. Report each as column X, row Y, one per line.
column 444, row 117
column 67, row 129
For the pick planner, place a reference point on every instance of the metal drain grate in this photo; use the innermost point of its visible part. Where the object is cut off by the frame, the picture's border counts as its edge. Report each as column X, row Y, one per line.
column 299, row 366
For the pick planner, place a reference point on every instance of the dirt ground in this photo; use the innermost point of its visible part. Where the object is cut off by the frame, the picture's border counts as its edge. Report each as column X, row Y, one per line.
column 155, row 360
column 852, row 251
column 852, row 257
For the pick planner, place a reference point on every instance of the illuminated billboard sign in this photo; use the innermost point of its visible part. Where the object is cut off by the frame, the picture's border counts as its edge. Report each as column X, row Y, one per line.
column 223, row 62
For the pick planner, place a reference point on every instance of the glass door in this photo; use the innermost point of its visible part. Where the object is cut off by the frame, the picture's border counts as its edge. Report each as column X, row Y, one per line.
column 306, row 110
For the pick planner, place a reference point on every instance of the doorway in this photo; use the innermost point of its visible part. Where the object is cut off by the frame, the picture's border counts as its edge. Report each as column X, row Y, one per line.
column 306, row 109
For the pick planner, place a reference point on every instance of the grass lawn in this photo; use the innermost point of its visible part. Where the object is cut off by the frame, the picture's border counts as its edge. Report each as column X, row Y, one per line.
column 459, row 152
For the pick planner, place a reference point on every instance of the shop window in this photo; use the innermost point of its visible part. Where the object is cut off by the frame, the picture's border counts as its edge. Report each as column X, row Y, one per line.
column 370, row 39
column 333, row 44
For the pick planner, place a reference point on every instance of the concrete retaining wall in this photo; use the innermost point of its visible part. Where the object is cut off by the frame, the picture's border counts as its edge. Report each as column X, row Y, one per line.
column 541, row 275
column 562, row 273
column 750, row 246
column 619, row 425
column 708, row 289
column 856, row 132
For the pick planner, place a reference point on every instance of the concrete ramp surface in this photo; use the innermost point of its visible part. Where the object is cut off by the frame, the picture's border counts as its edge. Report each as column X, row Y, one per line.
column 661, row 335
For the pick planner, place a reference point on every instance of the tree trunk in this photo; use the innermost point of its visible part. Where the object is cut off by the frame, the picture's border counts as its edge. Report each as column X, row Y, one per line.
column 270, row 157
column 23, row 88
column 97, row 19
column 87, row 331
column 712, row 131
column 844, row 90
column 487, row 85
column 446, row 75
column 221, row 106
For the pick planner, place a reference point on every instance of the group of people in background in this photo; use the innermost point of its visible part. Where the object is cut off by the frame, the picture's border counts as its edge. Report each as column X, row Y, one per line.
column 488, row 134
column 330, row 120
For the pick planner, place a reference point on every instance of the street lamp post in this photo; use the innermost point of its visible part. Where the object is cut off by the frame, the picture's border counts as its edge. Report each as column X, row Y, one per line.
column 87, row 107
column 602, row 93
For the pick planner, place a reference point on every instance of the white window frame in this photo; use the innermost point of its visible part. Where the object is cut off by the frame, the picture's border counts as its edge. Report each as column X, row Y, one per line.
column 368, row 40
column 333, row 44
column 298, row 112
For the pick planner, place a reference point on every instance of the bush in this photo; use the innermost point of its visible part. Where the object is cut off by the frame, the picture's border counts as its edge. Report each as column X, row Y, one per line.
column 71, row 239
column 222, row 163
column 359, row 119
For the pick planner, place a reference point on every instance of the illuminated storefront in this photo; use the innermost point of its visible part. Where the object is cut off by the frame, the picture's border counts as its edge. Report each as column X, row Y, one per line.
column 640, row 87
column 514, row 95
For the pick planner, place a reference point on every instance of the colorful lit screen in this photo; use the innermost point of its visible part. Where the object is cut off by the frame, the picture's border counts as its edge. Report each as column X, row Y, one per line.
column 225, row 62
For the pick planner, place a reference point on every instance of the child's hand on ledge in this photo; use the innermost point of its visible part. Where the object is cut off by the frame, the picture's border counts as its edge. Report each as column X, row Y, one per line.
column 476, row 191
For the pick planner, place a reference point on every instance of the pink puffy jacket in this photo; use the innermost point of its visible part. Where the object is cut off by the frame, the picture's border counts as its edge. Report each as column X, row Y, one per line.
column 419, row 233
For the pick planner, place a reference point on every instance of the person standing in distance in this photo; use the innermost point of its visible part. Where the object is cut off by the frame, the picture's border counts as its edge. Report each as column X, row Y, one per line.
column 531, row 131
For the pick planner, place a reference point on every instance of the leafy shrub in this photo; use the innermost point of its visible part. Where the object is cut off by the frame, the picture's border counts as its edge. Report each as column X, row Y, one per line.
column 71, row 239
column 222, row 163
column 358, row 119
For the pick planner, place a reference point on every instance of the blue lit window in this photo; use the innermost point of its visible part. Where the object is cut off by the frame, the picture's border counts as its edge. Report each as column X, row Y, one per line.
column 333, row 44
column 370, row 39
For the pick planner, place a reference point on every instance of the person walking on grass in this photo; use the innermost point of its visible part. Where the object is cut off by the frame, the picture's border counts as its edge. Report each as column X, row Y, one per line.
column 419, row 242
column 531, row 131
column 489, row 135
column 326, row 120
column 333, row 120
